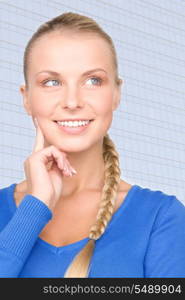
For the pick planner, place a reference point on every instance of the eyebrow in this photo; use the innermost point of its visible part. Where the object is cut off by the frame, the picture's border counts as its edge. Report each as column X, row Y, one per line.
column 56, row 73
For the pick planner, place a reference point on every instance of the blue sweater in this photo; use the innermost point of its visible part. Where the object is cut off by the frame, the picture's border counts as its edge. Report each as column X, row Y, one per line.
column 145, row 238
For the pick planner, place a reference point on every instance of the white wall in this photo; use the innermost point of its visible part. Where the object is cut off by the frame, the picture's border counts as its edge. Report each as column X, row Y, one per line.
column 149, row 126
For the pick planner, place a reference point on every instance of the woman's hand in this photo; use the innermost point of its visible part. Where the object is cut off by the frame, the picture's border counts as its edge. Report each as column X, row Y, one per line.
column 44, row 170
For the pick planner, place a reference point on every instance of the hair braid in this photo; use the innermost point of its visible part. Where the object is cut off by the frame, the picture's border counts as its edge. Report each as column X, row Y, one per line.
column 80, row 266
column 110, row 189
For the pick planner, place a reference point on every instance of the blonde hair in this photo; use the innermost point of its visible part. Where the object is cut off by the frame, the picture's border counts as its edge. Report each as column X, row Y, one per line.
column 80, row 266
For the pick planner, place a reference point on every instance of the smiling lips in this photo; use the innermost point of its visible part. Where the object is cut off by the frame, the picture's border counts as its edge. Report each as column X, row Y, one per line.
column 75, row 127
column 73, row 123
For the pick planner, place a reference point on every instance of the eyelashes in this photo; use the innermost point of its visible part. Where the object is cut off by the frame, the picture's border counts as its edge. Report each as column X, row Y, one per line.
column 97, row 79
column 48, row 80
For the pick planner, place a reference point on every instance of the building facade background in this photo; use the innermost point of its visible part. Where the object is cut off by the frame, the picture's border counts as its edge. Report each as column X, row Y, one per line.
column 149, row 126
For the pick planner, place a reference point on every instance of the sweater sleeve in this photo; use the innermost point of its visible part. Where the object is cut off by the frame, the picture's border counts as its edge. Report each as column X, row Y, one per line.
column 165, row 256
column 19, row 235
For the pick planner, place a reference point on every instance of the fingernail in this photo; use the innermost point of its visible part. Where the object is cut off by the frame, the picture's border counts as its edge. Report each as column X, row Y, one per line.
column 73, row 170
column 35, row 122
column 67, row 173
column 70, row 173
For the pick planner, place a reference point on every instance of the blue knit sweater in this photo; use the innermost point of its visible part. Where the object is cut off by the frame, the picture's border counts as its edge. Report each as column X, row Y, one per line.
column 145, row 238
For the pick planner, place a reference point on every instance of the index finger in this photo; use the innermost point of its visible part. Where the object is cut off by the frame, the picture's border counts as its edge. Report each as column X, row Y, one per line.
column 39, row 140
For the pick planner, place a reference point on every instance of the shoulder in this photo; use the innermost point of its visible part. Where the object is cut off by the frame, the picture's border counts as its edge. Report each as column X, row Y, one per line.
column 162, row 206
column 158, row 197
column 148, row 198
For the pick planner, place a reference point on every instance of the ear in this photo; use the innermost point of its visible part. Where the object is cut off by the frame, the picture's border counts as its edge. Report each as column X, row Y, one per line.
column 117, row 94
column 26, row 102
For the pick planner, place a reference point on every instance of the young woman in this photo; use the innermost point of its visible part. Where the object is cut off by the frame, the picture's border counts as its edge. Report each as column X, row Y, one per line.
column 73, row 216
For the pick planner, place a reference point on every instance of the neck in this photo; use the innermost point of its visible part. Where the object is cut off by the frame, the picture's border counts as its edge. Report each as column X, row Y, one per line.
column 89, row 165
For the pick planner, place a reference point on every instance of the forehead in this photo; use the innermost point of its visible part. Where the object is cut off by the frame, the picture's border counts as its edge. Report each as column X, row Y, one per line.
column 70, row 52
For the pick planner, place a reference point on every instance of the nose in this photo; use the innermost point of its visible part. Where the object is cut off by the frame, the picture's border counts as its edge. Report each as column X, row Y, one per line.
column 72, row 98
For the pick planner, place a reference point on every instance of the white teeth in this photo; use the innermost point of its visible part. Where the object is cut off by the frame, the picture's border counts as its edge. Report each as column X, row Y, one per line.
column 73, row 124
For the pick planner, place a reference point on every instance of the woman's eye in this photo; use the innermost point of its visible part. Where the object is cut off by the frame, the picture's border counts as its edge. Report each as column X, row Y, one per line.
column 54, row 82
column 49, row 81
column 95, row 80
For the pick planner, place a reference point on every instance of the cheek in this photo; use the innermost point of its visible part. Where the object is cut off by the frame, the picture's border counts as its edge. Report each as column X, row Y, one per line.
column 40, row 105
column 104, row 104
column 104, row 112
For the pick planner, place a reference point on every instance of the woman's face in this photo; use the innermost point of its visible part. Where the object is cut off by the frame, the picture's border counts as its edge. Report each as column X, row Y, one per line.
column 69, row 93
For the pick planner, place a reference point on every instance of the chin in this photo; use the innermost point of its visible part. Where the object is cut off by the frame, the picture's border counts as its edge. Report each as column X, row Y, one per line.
column 72, row 146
